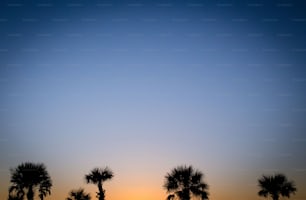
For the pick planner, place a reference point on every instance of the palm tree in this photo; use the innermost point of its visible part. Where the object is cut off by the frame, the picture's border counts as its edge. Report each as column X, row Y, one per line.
column 78, row 195
column 183, row 181
column 276, row 186
column 28, row 176
column 98, row 176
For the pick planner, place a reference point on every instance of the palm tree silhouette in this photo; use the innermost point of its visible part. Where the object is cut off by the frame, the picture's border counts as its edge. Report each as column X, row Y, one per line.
column 183, row 181
column 28, row 176
column 79, row 194
column 98, row 176
column 276, row 186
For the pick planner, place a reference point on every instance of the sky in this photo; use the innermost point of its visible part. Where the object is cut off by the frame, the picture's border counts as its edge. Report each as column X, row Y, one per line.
column 145, row 86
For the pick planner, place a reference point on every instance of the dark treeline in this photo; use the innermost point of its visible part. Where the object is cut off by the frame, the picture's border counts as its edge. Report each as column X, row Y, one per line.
column 181, row 183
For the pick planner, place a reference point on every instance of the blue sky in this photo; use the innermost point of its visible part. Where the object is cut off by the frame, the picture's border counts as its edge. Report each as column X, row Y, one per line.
column 144, row 86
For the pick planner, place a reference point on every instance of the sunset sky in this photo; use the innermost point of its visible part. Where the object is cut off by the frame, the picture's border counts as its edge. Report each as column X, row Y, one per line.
column 145, row 86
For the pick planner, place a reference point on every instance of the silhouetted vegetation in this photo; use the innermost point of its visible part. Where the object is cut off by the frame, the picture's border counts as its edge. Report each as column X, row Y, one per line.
column 44, row 188
column 98, row 176
column 183, row 181
column 78, row 194
column 26, row 178
column 276, row 186
column 16, row 192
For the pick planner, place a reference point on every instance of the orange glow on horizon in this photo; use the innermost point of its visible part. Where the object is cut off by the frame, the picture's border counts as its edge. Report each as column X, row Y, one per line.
column 129, row 186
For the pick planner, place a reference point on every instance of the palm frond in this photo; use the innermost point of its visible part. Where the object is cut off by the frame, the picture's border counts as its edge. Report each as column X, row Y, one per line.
column 275, row 186
column 183, row 181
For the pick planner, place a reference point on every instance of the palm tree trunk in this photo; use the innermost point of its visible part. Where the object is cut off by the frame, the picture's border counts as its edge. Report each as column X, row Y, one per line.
column 30, row 194
column 186, row 194
column 101, row 191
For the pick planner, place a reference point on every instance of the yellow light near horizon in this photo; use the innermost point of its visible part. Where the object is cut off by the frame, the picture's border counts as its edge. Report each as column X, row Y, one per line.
column 135, row 193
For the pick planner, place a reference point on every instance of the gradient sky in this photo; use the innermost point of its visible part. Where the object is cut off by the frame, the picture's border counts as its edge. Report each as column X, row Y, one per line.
column 144, row 86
